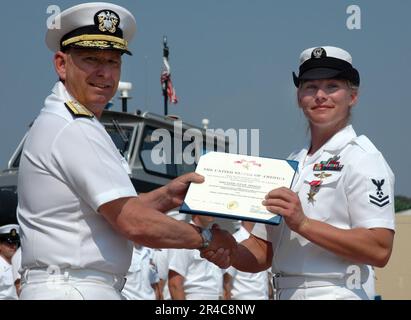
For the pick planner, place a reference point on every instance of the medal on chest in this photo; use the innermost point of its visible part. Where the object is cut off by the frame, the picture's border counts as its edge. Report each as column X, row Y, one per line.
column 316, row 184
column 331, row 164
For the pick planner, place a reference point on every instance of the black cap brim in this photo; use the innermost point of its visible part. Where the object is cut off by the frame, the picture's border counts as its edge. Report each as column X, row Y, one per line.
column 328, row 73
column 11, row 240
column 320, row 73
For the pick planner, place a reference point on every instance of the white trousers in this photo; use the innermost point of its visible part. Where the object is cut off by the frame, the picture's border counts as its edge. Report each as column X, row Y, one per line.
column 199, row 296
column 321, row 293
column 70, row 285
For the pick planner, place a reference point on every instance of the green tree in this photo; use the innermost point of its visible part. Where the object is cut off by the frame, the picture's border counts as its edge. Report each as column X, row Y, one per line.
column 402, row 203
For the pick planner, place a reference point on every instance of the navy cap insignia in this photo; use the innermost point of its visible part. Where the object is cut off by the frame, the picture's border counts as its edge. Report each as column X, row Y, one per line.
column 78, row 110
column 13, row 232
column 107, row 20
column 379, row 198
column 318, row 53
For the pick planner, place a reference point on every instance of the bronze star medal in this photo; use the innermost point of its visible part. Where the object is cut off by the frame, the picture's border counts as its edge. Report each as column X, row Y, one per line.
column 314, row 188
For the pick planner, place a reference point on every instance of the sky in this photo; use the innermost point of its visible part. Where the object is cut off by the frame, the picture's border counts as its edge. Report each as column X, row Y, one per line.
column 231, row 62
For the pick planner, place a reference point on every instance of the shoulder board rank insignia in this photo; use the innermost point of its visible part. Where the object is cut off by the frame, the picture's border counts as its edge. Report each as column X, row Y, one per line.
column 78, row 110
column 331, row 164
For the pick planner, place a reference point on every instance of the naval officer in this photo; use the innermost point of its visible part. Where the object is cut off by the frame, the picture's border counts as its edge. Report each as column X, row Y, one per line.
column 78, row 210
column 9, row 242
column 339, row 216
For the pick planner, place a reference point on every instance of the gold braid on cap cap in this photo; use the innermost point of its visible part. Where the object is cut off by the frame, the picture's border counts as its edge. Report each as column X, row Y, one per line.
column 97, row 40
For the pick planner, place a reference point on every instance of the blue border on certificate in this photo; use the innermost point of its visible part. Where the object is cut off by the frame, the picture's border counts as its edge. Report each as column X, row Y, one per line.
column 293, row 164
column 186, row 209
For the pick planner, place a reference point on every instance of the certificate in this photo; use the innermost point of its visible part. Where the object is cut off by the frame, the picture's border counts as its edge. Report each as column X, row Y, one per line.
column 235, row 185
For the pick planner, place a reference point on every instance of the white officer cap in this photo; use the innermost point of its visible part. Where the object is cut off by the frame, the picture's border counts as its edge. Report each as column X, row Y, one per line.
column 326, row 63
column 96, row 25
column 10, row 233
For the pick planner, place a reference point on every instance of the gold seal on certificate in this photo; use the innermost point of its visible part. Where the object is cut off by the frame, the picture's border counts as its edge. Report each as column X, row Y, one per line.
column 235, row 185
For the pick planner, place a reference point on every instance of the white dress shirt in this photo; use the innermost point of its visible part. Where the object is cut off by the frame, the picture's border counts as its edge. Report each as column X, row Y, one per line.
column 359, row 195
column 69, row 167
column 7, row 288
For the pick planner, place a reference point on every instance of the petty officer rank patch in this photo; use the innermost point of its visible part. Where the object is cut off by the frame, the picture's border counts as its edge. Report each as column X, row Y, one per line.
column 378, row 192
column 78, row 110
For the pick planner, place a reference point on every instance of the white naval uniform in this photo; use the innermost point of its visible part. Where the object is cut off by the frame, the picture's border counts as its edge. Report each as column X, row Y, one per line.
column 360, row 195
column 246, row 285
column 161, row 260
column 16, row 264
column 69, row 167
column 203, row 280
column 141, row 275
column 7, row 288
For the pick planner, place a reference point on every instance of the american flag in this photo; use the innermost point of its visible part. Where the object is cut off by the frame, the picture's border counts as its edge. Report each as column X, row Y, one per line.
column 166, row 77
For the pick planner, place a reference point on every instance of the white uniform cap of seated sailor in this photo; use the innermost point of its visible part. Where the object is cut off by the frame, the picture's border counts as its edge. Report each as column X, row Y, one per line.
column 10, row 233
column 95, row 25
column 8, row 227
column 326, row 62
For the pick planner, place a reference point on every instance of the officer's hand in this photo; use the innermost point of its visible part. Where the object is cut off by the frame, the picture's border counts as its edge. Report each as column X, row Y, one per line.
column 221, row 249
column 177, row 188
column 286, row 203
column 220, row 258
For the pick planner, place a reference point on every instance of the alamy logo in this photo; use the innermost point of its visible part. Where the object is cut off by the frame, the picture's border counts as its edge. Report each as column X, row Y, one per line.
column 354, row 277
column 354, row 20
column 178, row 147
column 53, row 22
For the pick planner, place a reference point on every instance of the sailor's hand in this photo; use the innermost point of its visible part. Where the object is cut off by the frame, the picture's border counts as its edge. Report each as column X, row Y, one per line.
column 221, row 249
column 286, row 203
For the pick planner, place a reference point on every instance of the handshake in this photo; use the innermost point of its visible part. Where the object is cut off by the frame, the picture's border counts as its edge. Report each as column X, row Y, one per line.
column 221, row 248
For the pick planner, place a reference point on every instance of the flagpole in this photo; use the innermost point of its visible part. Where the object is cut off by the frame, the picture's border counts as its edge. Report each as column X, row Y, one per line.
column 165, row 85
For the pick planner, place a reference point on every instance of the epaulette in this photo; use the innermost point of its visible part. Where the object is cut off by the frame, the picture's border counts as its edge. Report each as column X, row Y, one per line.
column 78, row 110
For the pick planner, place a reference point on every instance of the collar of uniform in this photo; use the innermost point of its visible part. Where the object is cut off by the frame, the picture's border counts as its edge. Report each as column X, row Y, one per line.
column 54, row 103
column 60, row 91
column 333, row 146
column 337, row 142
column 301, row 156
column 59, row 96
column 340, row 139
